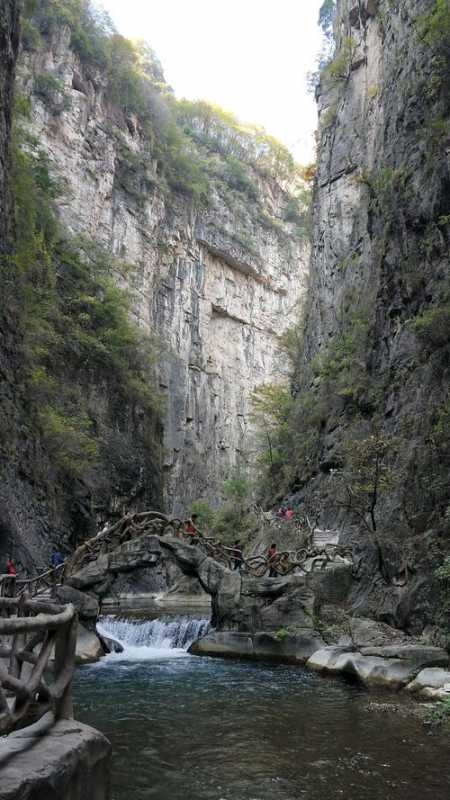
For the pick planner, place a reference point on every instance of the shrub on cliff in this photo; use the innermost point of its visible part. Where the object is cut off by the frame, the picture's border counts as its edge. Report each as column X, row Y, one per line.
column 433, row 327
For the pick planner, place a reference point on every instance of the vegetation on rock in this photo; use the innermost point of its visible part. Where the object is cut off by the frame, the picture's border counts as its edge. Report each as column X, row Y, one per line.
column 73, row 321
column 196, row 145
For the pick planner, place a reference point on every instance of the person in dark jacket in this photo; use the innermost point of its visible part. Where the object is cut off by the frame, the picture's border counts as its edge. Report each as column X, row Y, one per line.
column 56, row 559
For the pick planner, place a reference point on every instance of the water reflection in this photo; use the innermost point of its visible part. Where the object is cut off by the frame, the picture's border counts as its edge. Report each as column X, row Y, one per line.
column 204, row 729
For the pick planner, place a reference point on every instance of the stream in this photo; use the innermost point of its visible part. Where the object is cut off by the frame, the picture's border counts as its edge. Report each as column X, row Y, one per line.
column 189, row 728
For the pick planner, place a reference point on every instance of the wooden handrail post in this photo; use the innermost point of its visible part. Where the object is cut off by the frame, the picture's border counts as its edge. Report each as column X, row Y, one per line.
column 15, row 664
column 65, row 644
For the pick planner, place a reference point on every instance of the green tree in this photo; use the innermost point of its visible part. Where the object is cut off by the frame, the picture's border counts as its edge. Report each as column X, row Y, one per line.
column 367, row 474
column 326, row 17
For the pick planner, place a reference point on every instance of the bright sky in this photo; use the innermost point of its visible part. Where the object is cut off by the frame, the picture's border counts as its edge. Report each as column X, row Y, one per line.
column 248, row 56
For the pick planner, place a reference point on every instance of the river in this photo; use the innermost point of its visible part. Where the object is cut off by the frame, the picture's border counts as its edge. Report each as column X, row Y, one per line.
column 189, row 728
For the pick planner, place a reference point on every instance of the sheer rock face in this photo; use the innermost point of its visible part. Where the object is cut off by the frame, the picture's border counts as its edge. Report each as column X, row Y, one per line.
column 380, row 245
column 216, row 285
column 9, row 39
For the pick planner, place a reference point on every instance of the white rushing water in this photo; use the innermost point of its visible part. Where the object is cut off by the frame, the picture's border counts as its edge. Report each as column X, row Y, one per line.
column 152, row 639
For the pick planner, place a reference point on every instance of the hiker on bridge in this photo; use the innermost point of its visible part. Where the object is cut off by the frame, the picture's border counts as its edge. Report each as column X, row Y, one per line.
column 190, row 527
column 10, row 567
column 56, row 559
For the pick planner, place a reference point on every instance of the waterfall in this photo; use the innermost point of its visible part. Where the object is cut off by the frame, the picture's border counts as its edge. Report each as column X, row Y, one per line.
column 166, row 637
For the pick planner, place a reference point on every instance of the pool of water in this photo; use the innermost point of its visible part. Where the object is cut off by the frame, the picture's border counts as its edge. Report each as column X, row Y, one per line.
column 190, row 728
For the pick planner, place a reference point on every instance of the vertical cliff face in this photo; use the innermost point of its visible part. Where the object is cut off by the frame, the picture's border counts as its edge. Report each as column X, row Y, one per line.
column 217, row 283
column 45, row 499
column 376, row 355
column 9, row 40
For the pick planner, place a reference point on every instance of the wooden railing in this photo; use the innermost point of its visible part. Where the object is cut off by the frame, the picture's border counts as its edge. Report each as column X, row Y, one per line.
column 37, row 651
column 44, row 582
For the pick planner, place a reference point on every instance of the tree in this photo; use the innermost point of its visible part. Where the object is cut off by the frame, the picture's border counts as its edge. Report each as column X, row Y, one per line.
column 271, row 404
column 326, row 16
column 367, row 474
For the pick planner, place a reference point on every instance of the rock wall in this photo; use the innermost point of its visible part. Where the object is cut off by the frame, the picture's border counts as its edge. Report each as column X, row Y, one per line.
column 9, row 41
column 216, row 284
column 380, row 261
column 40, row 508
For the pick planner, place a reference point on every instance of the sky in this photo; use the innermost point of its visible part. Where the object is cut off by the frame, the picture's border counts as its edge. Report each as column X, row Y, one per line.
column 248, row 56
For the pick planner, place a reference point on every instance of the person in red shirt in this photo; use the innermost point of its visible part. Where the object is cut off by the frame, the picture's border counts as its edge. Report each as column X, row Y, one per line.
column 10, row 567
column 272, row 553
column 290, row 513
column 190, row 526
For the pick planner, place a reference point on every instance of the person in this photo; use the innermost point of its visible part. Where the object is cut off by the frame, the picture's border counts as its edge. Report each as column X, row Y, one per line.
column 272, row 553
column 56, row 559
column 290, row 513
column 10, row 567
column 281, row 513
column 190, row 527
column 237, row 555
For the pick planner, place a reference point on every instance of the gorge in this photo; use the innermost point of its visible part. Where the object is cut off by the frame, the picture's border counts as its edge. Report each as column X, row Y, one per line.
column 193, row 322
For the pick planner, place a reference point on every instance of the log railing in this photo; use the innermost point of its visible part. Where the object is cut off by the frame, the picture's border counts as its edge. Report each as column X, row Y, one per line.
column 47, row 580
column 37, row 652
column 132, row 526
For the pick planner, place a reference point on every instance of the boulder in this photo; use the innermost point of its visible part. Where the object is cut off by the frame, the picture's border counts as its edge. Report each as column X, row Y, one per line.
column 285, row 646
column 93, row 573
column 390, row 667
column 86, row 605
column 230, row 644
column 295, row 647
column 89, row 647
column 110, row 645
column 55, row 760
column 432, row 684
column 326, row 659
column 368, row 632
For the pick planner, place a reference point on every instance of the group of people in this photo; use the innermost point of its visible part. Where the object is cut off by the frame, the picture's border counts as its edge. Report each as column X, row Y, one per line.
column 56, row 560
column 191, row 531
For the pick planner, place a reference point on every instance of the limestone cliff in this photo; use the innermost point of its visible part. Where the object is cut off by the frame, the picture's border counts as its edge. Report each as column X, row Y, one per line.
column 373, row 376
column 217, row 281
column 9, row 40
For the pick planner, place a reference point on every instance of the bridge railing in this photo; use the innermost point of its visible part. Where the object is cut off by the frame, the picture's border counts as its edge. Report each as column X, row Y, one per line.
column 47, row 580
column 37, row 658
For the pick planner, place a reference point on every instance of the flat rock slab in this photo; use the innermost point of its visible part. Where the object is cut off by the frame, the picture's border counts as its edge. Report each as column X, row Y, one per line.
column 55, row 761
column 283, row 646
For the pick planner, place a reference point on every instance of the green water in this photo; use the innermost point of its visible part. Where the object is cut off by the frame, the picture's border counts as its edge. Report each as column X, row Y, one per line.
column 188, row 728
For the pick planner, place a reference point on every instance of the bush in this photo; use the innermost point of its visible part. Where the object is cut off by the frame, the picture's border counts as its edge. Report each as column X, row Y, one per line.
column 338, row 70
column 51, row 90
column 341, row 367
column 68, row 440
column 440, row 714
column 205, row 514
column 433, row 327
column 443, row 572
